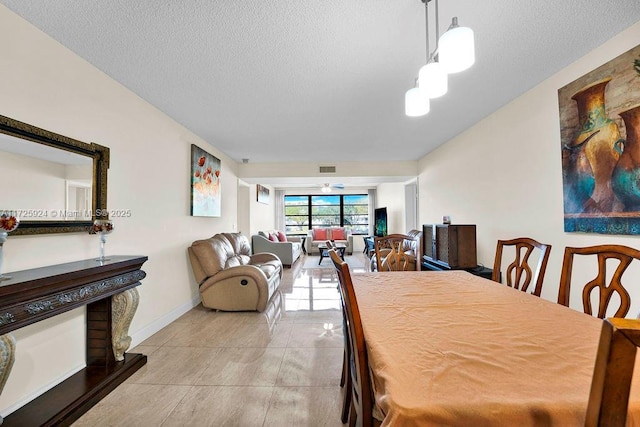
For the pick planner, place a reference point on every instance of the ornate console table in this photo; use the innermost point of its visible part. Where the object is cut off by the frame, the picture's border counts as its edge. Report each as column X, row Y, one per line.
column 108, row 289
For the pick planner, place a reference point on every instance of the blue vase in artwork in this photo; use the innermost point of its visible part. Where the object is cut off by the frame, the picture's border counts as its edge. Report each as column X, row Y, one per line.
column 577, row 179
column 626, row 177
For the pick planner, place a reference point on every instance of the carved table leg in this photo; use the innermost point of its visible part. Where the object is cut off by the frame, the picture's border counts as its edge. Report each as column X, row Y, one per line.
column 7, row 356
column 123, row 308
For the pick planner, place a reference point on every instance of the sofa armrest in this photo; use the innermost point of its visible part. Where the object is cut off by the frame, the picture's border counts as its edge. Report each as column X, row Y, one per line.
column 309, row 241
column 263, row 257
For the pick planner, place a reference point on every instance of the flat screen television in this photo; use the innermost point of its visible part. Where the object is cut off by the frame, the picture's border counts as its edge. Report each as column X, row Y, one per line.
column 380, row 222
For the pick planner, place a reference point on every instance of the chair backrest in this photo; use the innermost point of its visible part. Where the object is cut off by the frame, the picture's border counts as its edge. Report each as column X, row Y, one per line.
column 624, row 254
column 329, row 244
column 519, row 274
column 396, row 252
column 611, row 383
column 362, row 396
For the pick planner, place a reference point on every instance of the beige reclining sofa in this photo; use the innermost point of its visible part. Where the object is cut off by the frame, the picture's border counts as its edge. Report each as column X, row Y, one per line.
column 230, row 278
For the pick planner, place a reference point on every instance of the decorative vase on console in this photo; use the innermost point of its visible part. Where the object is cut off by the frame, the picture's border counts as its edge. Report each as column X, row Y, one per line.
column 101, row 227
column 8, row 222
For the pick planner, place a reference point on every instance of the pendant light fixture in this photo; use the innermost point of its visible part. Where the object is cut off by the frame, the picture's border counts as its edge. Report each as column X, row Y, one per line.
column 457, row 50
column 416, row 103
column 454, row 52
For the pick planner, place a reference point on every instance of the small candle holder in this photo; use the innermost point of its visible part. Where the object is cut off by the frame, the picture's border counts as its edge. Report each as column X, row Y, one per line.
column 101, row 227
column 8, row 222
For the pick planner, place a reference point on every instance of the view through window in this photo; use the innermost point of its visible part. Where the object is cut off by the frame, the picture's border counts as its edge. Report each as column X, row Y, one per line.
column 327, row 210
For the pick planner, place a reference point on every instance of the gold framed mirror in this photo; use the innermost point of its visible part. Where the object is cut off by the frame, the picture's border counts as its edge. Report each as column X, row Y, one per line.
column 57, row 184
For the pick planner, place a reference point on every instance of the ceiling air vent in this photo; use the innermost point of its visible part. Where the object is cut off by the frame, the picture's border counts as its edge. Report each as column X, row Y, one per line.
column 327, row 169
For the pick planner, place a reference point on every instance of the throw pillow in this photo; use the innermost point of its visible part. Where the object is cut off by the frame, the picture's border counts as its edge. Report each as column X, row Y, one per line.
column 319, row 234
column 338, row 234
column 281, row 236
column 273, row 237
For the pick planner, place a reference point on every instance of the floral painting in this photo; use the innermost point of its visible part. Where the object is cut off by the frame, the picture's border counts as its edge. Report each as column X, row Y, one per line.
column 600, row 141
column 205, row 183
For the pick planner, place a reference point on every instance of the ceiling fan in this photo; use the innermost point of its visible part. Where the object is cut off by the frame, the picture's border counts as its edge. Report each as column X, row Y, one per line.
column 326, row 187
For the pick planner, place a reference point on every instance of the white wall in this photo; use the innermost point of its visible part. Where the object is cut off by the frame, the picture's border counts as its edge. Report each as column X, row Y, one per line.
column 262, row 216
column 310, row 171
column 318, row 190
column 244, row 208
column 45, row 84
column 504, row 174
column 391, row 196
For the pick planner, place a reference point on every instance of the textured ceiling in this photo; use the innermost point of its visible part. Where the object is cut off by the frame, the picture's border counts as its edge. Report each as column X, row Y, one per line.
column 286, row 80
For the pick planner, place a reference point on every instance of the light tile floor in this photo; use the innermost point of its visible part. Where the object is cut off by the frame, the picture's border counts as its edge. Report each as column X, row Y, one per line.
column 213, row 368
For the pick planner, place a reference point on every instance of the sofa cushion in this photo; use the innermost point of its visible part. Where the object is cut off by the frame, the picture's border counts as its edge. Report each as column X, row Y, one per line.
column 282, row 237
column 213, row 254
column 320, row 234
column 239, row 243
column 338, row 234
column 270, row 268
column 237, row 260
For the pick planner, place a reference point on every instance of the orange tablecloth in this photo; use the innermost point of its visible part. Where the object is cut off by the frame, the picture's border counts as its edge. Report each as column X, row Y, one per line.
column 451, row 348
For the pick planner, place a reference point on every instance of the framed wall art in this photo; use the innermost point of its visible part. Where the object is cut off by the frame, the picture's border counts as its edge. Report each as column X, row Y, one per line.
column 262, row 194
column 205, row 183
column 600, row 142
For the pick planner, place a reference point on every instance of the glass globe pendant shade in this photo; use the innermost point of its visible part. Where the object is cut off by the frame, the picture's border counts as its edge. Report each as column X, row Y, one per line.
column 456, row 48
column 416, row 103
column 432, row 80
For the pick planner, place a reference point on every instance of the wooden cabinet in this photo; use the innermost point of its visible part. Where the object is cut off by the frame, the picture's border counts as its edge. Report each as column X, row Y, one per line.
column 450, row 246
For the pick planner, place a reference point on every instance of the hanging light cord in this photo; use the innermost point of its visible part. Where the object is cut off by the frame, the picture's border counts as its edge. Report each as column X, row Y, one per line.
column 435, row 52
column 431, row 56
column 426, row 20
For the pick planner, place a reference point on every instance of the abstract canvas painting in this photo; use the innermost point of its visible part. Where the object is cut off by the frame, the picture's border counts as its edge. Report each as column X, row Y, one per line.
column 600, row 142
column 205, row 183
column 263, row 194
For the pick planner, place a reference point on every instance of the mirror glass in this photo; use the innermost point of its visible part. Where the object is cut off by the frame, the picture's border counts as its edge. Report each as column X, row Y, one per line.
column 48, row 184
column 54, row 183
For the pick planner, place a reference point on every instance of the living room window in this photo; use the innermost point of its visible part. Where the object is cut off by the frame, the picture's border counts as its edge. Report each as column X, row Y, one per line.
column 307, row 211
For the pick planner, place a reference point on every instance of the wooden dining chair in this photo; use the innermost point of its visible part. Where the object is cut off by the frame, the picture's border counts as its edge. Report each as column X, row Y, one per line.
column 361, row 405
column 397, row 252
column 624, row 254
column 345, row 379
column 611, row 383
column 519, row 274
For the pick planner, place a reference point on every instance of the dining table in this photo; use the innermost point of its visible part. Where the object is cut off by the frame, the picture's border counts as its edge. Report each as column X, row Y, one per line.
column 453, row 349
